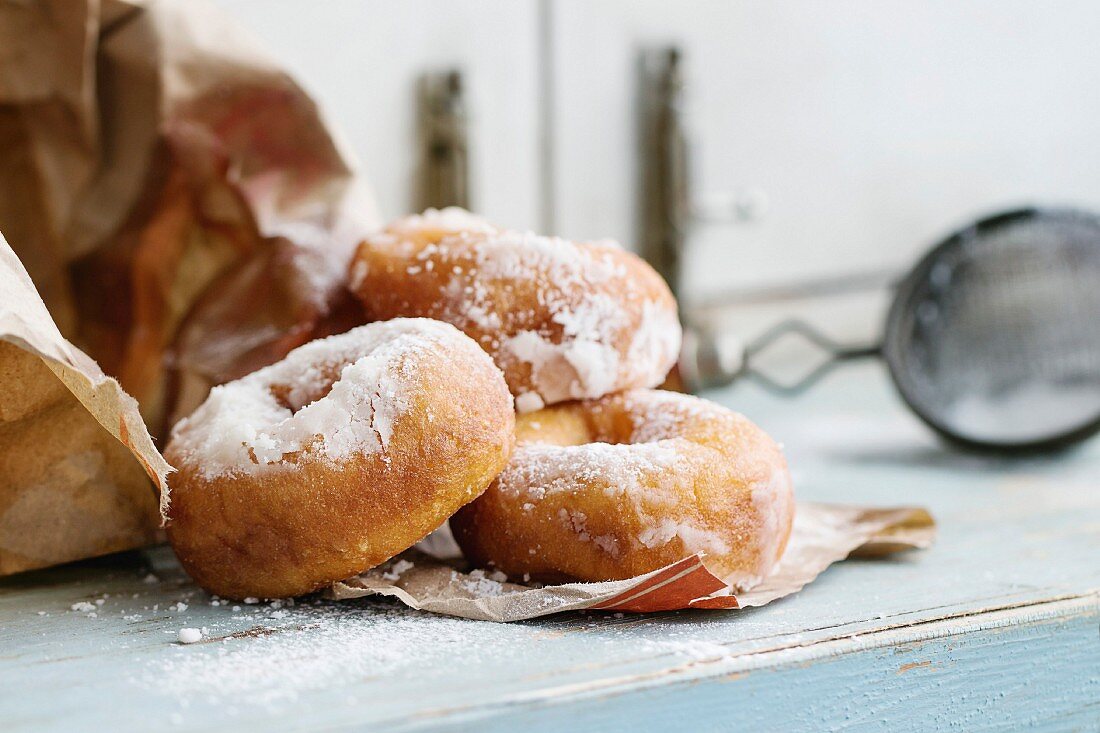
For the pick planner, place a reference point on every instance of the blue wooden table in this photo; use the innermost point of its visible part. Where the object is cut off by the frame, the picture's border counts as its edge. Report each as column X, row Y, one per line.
column 995, row 628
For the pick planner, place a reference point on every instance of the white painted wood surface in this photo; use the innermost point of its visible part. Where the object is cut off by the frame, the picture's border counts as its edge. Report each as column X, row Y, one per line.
column 362, row 60
column 994, row 628
column 872, row 127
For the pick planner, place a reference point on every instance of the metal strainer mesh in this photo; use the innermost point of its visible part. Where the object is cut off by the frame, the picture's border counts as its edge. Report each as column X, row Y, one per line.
column 994, row 338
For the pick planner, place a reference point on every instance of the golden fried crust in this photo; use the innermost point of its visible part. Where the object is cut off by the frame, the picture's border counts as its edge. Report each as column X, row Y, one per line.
column 296, row 527
column 612, row 488
column 564, row 320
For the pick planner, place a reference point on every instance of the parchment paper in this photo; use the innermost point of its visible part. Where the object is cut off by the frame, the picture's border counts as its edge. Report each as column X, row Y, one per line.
column 823, row 534
column 78, row 469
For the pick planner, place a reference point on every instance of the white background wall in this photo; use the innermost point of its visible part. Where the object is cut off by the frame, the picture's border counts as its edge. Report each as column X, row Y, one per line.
column 362, row 59
column 872, row 126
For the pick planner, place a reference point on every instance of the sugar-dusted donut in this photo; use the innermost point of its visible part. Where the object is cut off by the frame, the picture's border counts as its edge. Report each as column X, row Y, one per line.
column 564, row 320
column 348, row 451
column 612, row 488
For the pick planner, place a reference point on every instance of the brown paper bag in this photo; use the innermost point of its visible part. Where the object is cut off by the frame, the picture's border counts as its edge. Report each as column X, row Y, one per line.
column 180, row 201
column 78, row 470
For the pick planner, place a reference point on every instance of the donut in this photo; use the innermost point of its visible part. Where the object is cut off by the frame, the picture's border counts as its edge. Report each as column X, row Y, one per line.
column 348, row 451
column 612, row 488
column 563, row 320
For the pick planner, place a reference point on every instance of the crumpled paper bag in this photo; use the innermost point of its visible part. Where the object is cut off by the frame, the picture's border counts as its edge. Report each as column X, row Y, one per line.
column 75, row 457
column 181, row 202
column 437, row 580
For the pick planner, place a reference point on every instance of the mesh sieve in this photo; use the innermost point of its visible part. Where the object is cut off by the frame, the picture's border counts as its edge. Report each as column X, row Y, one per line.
column 993, row 339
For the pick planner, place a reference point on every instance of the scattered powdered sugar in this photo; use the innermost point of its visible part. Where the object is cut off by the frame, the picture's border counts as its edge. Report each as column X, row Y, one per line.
column 480, row 583
column 333, row 398
column 395, row 571
column 697, row 649
column 577, row 521
column 346, row 655
column 269, row 661
column 189, row 635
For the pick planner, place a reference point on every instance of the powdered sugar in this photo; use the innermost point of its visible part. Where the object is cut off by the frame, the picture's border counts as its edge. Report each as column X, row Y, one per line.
column 332, row 398
column 576, row 354
column 693, row 538
column 577, row 521
column 529, row 402
column 480, row 583
column 656, row 339
column 397, row 569
column 452, row 219
column 570, row 369
column 189, row 635
column 515, row 255
column 359, row 271
column 646, row 478
column 774, row 504
column 270, row 659
column 620, row 470
column 660, row 415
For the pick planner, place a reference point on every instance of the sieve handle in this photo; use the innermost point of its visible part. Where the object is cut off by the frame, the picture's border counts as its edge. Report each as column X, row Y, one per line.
column 835, row 353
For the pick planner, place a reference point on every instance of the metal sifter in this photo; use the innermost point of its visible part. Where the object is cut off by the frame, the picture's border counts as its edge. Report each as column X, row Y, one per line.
column 993, row 338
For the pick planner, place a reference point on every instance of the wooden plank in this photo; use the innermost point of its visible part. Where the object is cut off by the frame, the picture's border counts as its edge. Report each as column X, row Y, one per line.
column 1013, row 579
column 978, row 673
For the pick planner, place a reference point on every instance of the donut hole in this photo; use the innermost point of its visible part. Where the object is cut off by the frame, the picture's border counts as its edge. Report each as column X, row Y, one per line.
column 559, row 426
column 317, row 386
column 566, row 426
column 664, row 418
column 282, row 396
